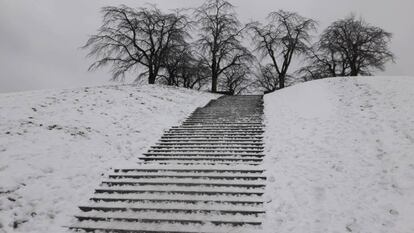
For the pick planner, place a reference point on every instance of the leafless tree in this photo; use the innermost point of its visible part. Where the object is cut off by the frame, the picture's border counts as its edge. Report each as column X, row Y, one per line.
column 351, row 47
column 131, row 38
column 195, row 74
column 265, row 78
column 236, row 79
column 286, row 34
column 323, row 61
column 184, row 68
column 220, row 38
column 175, row 60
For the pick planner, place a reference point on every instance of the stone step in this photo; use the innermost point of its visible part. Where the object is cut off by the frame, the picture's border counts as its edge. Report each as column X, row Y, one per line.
column 206, row 123
column 235, row 150
column 192, row 175
column 197, row 163
column 170, row 218
column 207, row 146
column 226, row 118
column 234, row 128
column 207, row 142
column 198, row 169
column 174, row 198
column 227, row 113
column 222, row 131
column 225, row 126
column 130, row 227
column 202, row 123
column 213, row 140
column 183, row 182
column 246, row 119
column 213, row 133
column 204, row 191
column 202, row 159
column 209, row 137
column 172, row 208
column 188, row 154
column 219, row 126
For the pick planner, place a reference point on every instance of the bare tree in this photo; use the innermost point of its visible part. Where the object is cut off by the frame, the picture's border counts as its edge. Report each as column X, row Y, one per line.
column 349, row 47
column 266, row 78
column 131, row 38
column 220, row 38
column 286, row 34
column 175, row 60
column 236, row 79
column 314, row 71
column 184, row 68
column 324, row 62
column 195, row 74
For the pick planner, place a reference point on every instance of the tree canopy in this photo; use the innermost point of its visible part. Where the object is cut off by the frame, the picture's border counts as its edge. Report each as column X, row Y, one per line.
column 157, row 46
column 286, row 34
column 349, row 47
column 221, row 35
column 131, row 38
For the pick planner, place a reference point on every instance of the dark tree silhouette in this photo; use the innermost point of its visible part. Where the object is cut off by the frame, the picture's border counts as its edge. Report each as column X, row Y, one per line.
column 220, row 38
column 195, row 74
column 349, row 47
column 286, row 34
column 184, row 69
column 131, row 38
column 236, row 79
column 176, row 58
column 266, row 78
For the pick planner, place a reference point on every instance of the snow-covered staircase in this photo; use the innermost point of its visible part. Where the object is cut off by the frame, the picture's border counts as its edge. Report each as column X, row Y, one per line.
column 203, row 176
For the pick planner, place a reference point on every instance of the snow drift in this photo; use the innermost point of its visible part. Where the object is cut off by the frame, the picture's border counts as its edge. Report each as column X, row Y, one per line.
column 55, row 145
column 340, row 156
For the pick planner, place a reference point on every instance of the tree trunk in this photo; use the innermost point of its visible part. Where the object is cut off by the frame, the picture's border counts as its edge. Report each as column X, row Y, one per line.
column 281, row 81
column 170, row 80
column 214, row 75
column 354, row 72
column 214, row 83
column 151, row 78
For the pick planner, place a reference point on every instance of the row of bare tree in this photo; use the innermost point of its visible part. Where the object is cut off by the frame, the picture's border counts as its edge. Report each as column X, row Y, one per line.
column 160, row 47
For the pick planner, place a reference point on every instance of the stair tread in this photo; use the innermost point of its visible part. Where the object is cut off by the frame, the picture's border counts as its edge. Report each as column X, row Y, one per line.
column 176, row 216
column 171, row 207
column 154, row 227
column 189, row 174
column 216, row 157
column 167, row 196
column 183, row 181
column 198, row 168
column 182, row 189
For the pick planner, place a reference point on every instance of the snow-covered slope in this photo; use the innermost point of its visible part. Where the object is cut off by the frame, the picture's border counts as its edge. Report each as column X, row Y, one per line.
column 55, row 145
column 340, row 156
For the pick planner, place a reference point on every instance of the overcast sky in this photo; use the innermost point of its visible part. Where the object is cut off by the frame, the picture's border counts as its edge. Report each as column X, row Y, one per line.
column 40, row 39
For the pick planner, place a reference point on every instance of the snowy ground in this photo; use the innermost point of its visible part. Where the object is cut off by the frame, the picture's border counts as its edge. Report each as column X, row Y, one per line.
column 55, row 145
column 340, row 156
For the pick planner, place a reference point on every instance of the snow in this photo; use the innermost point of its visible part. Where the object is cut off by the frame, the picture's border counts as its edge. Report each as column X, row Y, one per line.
column 340, row 156
column 55, row 145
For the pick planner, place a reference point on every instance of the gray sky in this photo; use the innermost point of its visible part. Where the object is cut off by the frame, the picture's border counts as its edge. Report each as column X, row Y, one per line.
column 40, row 39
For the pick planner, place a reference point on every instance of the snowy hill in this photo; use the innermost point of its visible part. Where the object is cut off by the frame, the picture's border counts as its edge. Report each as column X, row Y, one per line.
column 340, row 156
column 55, row 144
